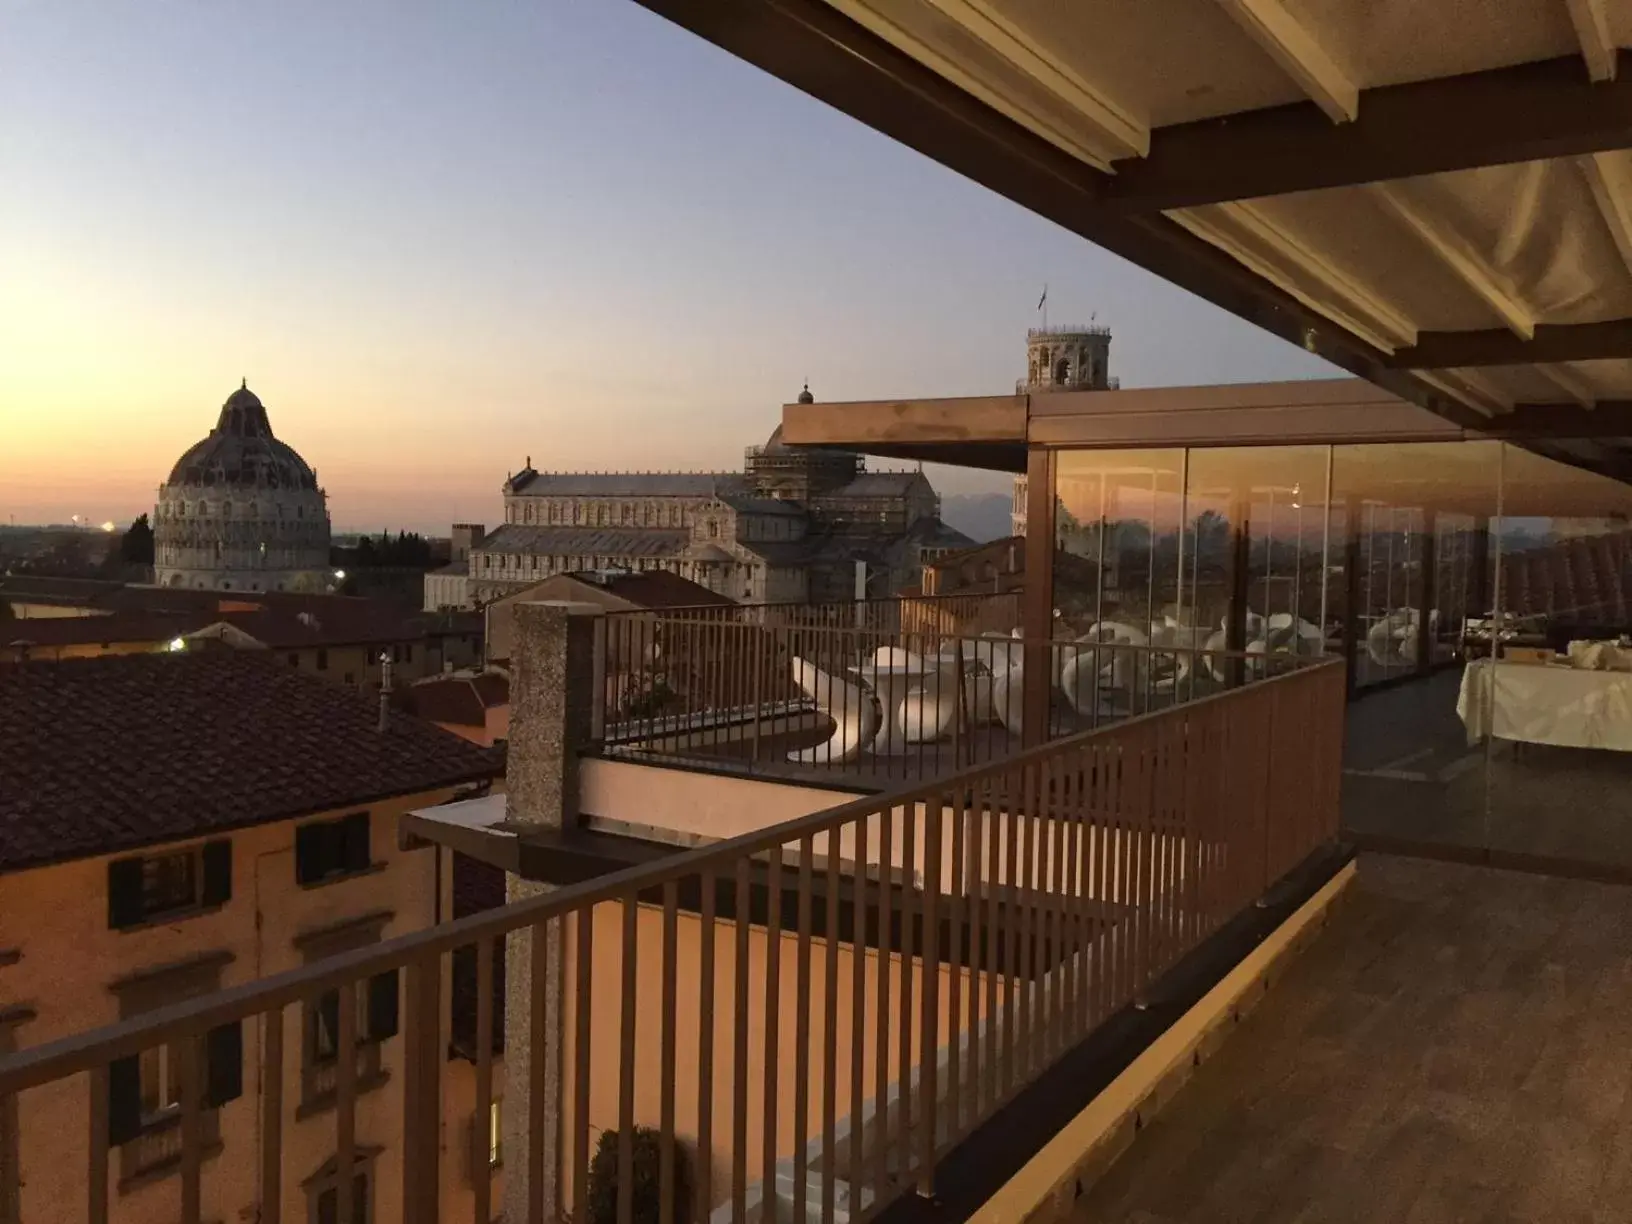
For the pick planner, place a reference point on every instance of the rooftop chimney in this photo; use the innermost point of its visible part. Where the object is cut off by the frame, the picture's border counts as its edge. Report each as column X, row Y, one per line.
column 385, row 690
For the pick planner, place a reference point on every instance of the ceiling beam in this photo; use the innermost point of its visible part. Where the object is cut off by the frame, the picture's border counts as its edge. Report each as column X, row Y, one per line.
column 1551, row 343
column 1299, row 54
column 1597, row 47
column 1525, row 113
column 813, row 47
column 1461, row 259
column 1611, row 185
column 1571, row 383
column 1121, row 130
column 1610, row 419
column 1242, row 231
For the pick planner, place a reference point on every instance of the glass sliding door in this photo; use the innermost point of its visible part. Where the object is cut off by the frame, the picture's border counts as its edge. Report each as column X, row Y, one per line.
column 1412, row 524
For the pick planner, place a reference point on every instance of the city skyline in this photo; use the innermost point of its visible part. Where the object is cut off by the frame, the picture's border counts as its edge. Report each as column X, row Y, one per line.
column 436, row 244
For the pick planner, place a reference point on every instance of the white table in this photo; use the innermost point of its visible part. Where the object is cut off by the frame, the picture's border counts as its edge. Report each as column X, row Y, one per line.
column 891, row 684
column 1538, row 703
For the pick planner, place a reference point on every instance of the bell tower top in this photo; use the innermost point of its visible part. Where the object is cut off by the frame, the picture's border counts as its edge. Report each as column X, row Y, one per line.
column 1072, row 358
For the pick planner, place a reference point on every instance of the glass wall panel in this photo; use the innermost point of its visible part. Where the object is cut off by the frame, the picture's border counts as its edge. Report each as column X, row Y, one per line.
column 1410, row 530
column 1557, row 703
column 1256, row 552
column 1480, row 594
column 1116, row 581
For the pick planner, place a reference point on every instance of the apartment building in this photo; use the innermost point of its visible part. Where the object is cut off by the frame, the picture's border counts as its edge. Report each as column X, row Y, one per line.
column 177, row 825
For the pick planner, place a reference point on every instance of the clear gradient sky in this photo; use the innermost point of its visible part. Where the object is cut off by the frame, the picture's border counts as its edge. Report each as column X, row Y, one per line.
column 439, row 237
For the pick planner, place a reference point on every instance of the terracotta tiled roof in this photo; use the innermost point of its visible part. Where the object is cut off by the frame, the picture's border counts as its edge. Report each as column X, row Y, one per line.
column 282, row 620
column 462, row 700
column 53, row 631
column 108, row 754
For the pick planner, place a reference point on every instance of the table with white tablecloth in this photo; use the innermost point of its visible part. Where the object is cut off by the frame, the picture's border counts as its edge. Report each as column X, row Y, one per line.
column 1567, row 707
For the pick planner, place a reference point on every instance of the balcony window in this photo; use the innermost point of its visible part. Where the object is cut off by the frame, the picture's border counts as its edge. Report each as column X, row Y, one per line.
column 147, row 888
column 375, row 1010
column 146, row 1089
column 323, row 1191
column 327, row 850
column 322, row 660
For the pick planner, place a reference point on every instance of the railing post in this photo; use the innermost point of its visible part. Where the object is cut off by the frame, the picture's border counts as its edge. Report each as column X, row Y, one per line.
column 558, row 673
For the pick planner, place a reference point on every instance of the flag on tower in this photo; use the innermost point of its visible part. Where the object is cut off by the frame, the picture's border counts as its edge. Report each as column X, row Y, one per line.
column 1044, row 299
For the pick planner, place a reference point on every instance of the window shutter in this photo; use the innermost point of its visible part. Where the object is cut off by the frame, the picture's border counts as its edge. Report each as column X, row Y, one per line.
column 217, row 857
column 124, row 1100
column 354, row 842
column 124, row 892
column 314, row 852
column 382, row 1006
column 224, row 1064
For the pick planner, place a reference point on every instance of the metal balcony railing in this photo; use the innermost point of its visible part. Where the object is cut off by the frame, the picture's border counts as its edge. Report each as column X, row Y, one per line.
column 816, row 1012
column 887, row 691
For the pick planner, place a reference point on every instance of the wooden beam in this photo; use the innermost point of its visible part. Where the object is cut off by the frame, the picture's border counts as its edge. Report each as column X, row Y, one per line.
column 1610, row 419
column 1125, row 134
column 1597, row 46
column 1571, row 383
column 1246, row 234
column 984, row 418
column 1611, row 185
column 1299, row 54
column 1529, row 112
column 1551, row 343
column 813, row 47
column 1467, row 264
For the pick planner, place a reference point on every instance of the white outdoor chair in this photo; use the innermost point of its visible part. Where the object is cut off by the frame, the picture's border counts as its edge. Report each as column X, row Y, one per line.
column 896, row 656
column 1008, row 692
column 927, row 712
column 852, row 709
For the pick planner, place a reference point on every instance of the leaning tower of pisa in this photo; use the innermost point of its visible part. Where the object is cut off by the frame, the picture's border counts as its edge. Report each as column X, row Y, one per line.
column 1072, row 358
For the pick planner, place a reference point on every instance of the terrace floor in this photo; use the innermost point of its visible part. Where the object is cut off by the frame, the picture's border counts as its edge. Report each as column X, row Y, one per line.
column 1453, row 1048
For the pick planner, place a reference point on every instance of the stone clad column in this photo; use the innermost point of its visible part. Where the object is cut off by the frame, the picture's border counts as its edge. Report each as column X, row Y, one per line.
column 552, row 719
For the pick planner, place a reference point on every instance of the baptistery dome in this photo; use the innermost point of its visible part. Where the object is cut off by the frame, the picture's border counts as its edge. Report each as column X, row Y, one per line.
column 242, row 511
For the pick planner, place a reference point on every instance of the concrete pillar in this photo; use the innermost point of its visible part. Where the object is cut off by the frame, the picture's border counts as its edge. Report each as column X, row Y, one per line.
column 554, row 716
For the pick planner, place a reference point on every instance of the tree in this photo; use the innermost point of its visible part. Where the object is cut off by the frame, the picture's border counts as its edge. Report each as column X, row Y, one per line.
column 646, row 1185
column 136, row 545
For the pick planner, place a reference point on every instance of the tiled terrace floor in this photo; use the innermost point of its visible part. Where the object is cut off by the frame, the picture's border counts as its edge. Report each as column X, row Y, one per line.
column 1456, row 1047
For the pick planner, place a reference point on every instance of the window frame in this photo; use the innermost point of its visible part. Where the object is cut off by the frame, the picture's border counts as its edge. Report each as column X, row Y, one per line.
column 130, row 907
column 352, row 855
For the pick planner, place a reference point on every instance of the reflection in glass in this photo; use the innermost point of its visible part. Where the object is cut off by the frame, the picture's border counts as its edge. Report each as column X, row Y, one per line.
column 1555, row 704
column 1116, row 580
column 1257, row 548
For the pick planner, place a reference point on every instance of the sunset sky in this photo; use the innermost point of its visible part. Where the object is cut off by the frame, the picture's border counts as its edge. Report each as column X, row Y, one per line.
column 439, row 237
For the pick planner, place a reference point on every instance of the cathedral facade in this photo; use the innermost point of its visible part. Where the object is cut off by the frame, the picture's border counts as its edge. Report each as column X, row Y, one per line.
column 793, row 526
column 241, row 511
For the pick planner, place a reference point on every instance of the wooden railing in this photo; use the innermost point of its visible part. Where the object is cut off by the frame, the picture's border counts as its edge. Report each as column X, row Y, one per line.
column 817, row 1011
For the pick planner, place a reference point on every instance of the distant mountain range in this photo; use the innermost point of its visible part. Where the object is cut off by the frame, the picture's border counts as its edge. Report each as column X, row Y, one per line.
column 980, row 516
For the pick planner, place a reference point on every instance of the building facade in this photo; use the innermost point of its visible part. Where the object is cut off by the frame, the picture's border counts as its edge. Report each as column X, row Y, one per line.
column 1076, row 357
column 242, row 511
column 188, row 878
column 794, row 525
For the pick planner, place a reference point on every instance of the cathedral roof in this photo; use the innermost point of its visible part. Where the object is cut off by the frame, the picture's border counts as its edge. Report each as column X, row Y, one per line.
column 241, row 452
column 630, row 484
column 587, row 541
